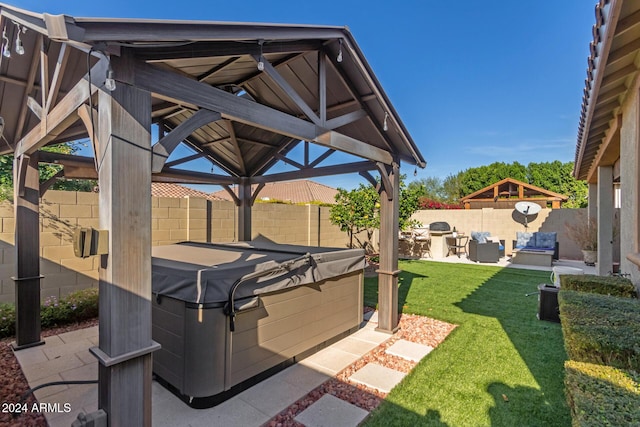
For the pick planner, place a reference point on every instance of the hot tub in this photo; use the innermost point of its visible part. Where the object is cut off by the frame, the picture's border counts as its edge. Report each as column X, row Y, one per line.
column 229, row 315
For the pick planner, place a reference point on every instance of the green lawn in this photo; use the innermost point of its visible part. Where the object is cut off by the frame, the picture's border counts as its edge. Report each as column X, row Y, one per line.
column 499, row 348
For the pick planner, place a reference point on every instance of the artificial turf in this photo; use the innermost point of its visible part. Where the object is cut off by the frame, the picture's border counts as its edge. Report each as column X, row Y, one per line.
column 500, row 366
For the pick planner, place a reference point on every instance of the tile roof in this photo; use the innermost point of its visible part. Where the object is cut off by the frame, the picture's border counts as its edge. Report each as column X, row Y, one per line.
column 302, row 191
column 162, row 189
column 611, row 71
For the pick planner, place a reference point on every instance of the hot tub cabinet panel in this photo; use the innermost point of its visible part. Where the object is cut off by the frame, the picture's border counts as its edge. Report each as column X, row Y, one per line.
column 202, row 357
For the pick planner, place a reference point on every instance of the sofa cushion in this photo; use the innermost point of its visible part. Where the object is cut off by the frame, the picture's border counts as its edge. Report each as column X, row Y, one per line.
column 545, row 240
column 480, row 236
column 524, row 239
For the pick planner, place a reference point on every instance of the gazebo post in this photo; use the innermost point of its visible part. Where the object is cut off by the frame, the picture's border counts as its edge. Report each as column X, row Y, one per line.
column 124, row 170
column 244, row 210
column 388, row 272
column 26, row 195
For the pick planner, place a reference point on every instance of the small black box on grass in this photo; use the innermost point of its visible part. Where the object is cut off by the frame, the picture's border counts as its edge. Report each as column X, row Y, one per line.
column 548, row 303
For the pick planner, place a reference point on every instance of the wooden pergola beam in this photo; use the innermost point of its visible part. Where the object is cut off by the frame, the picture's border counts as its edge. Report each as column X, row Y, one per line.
column 217, row 49
column 288, row 90
column 56, row 80
column 163, row 148
column 33, row 71
column 64, row 113
column 242, row 110
column 85, row 163
column 316, row 172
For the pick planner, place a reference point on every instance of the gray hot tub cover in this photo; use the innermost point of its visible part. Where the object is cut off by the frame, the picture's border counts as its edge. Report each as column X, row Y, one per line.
column 204, row 273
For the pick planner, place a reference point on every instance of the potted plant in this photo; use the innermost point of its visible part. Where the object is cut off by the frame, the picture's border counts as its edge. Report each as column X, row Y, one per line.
column 584, row 233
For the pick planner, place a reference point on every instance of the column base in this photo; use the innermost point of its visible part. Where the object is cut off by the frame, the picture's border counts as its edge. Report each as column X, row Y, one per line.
column 17, row 347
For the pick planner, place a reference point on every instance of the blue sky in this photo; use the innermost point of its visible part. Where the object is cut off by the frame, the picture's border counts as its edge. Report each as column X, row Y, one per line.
column 474, row 81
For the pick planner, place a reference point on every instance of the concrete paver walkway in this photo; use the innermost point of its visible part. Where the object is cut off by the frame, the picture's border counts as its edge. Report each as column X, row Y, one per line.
column 66, row 357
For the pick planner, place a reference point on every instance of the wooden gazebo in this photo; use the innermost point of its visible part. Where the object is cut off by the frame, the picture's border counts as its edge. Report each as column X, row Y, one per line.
column 241, row 96
column 505, row 193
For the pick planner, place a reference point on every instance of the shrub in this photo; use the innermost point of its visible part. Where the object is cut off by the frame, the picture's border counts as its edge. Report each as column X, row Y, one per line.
column 602, row 395
column 615, row 286
column 426, row 203
column 75, row 307
column 601, row 329
column 7, row 320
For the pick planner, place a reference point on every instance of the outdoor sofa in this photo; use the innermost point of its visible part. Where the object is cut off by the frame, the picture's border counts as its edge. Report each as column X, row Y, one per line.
column 538, row 240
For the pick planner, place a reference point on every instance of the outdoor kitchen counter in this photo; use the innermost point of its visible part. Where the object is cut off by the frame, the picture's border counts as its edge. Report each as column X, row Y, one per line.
column 439, row 247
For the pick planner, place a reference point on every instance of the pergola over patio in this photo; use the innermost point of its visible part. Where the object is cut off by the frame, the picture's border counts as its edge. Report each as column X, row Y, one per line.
column 241, row 96
column 505, row 193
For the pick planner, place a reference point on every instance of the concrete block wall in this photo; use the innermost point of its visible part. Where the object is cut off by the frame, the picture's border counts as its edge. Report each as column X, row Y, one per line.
column 173, row 220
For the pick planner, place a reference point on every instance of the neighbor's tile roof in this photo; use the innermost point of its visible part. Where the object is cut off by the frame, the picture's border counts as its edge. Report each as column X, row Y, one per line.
column 302, row 191
column 162, row 189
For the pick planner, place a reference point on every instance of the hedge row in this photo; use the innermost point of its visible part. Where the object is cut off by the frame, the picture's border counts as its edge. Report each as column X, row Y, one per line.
column 601, row 329
column 615, row 286
column 602, row 395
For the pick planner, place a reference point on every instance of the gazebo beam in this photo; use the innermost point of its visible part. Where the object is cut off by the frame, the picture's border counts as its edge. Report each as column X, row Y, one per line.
column 64, row 113
column 163, row 148
column 245, row 111
column 316, row 172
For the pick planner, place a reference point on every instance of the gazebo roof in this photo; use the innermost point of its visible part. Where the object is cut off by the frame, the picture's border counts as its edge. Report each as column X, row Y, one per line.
column 315, row 86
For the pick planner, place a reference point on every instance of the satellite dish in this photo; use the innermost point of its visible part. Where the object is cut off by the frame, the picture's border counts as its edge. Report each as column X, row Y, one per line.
column 527, row 209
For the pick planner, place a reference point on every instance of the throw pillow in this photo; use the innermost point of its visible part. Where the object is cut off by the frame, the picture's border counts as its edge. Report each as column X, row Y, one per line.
column 545, row 240
column 480, row 236
column 524, row 239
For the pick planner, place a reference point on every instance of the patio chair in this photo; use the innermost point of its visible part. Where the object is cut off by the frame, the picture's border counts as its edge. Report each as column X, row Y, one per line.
column 484, row 248
column 422, row 240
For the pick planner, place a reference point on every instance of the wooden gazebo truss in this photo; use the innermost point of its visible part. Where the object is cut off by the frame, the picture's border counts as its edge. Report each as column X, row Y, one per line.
column 505, row 193
column 241, row 96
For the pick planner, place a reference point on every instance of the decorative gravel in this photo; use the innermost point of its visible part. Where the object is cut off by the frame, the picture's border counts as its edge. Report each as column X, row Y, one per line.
column 418, row 329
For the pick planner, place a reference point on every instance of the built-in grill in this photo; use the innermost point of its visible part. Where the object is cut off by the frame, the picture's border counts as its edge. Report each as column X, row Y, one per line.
column 439, row 226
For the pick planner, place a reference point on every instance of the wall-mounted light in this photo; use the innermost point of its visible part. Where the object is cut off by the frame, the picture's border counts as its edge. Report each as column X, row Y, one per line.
column 5, row 43
column 339, row 58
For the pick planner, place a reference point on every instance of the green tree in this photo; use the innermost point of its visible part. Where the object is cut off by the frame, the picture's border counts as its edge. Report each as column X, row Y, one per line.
column 558, row 177
column 357, row 211
column 474, row 179
column 46, row 171
column 409, row 203
column 430, row 187
column 452, row 188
